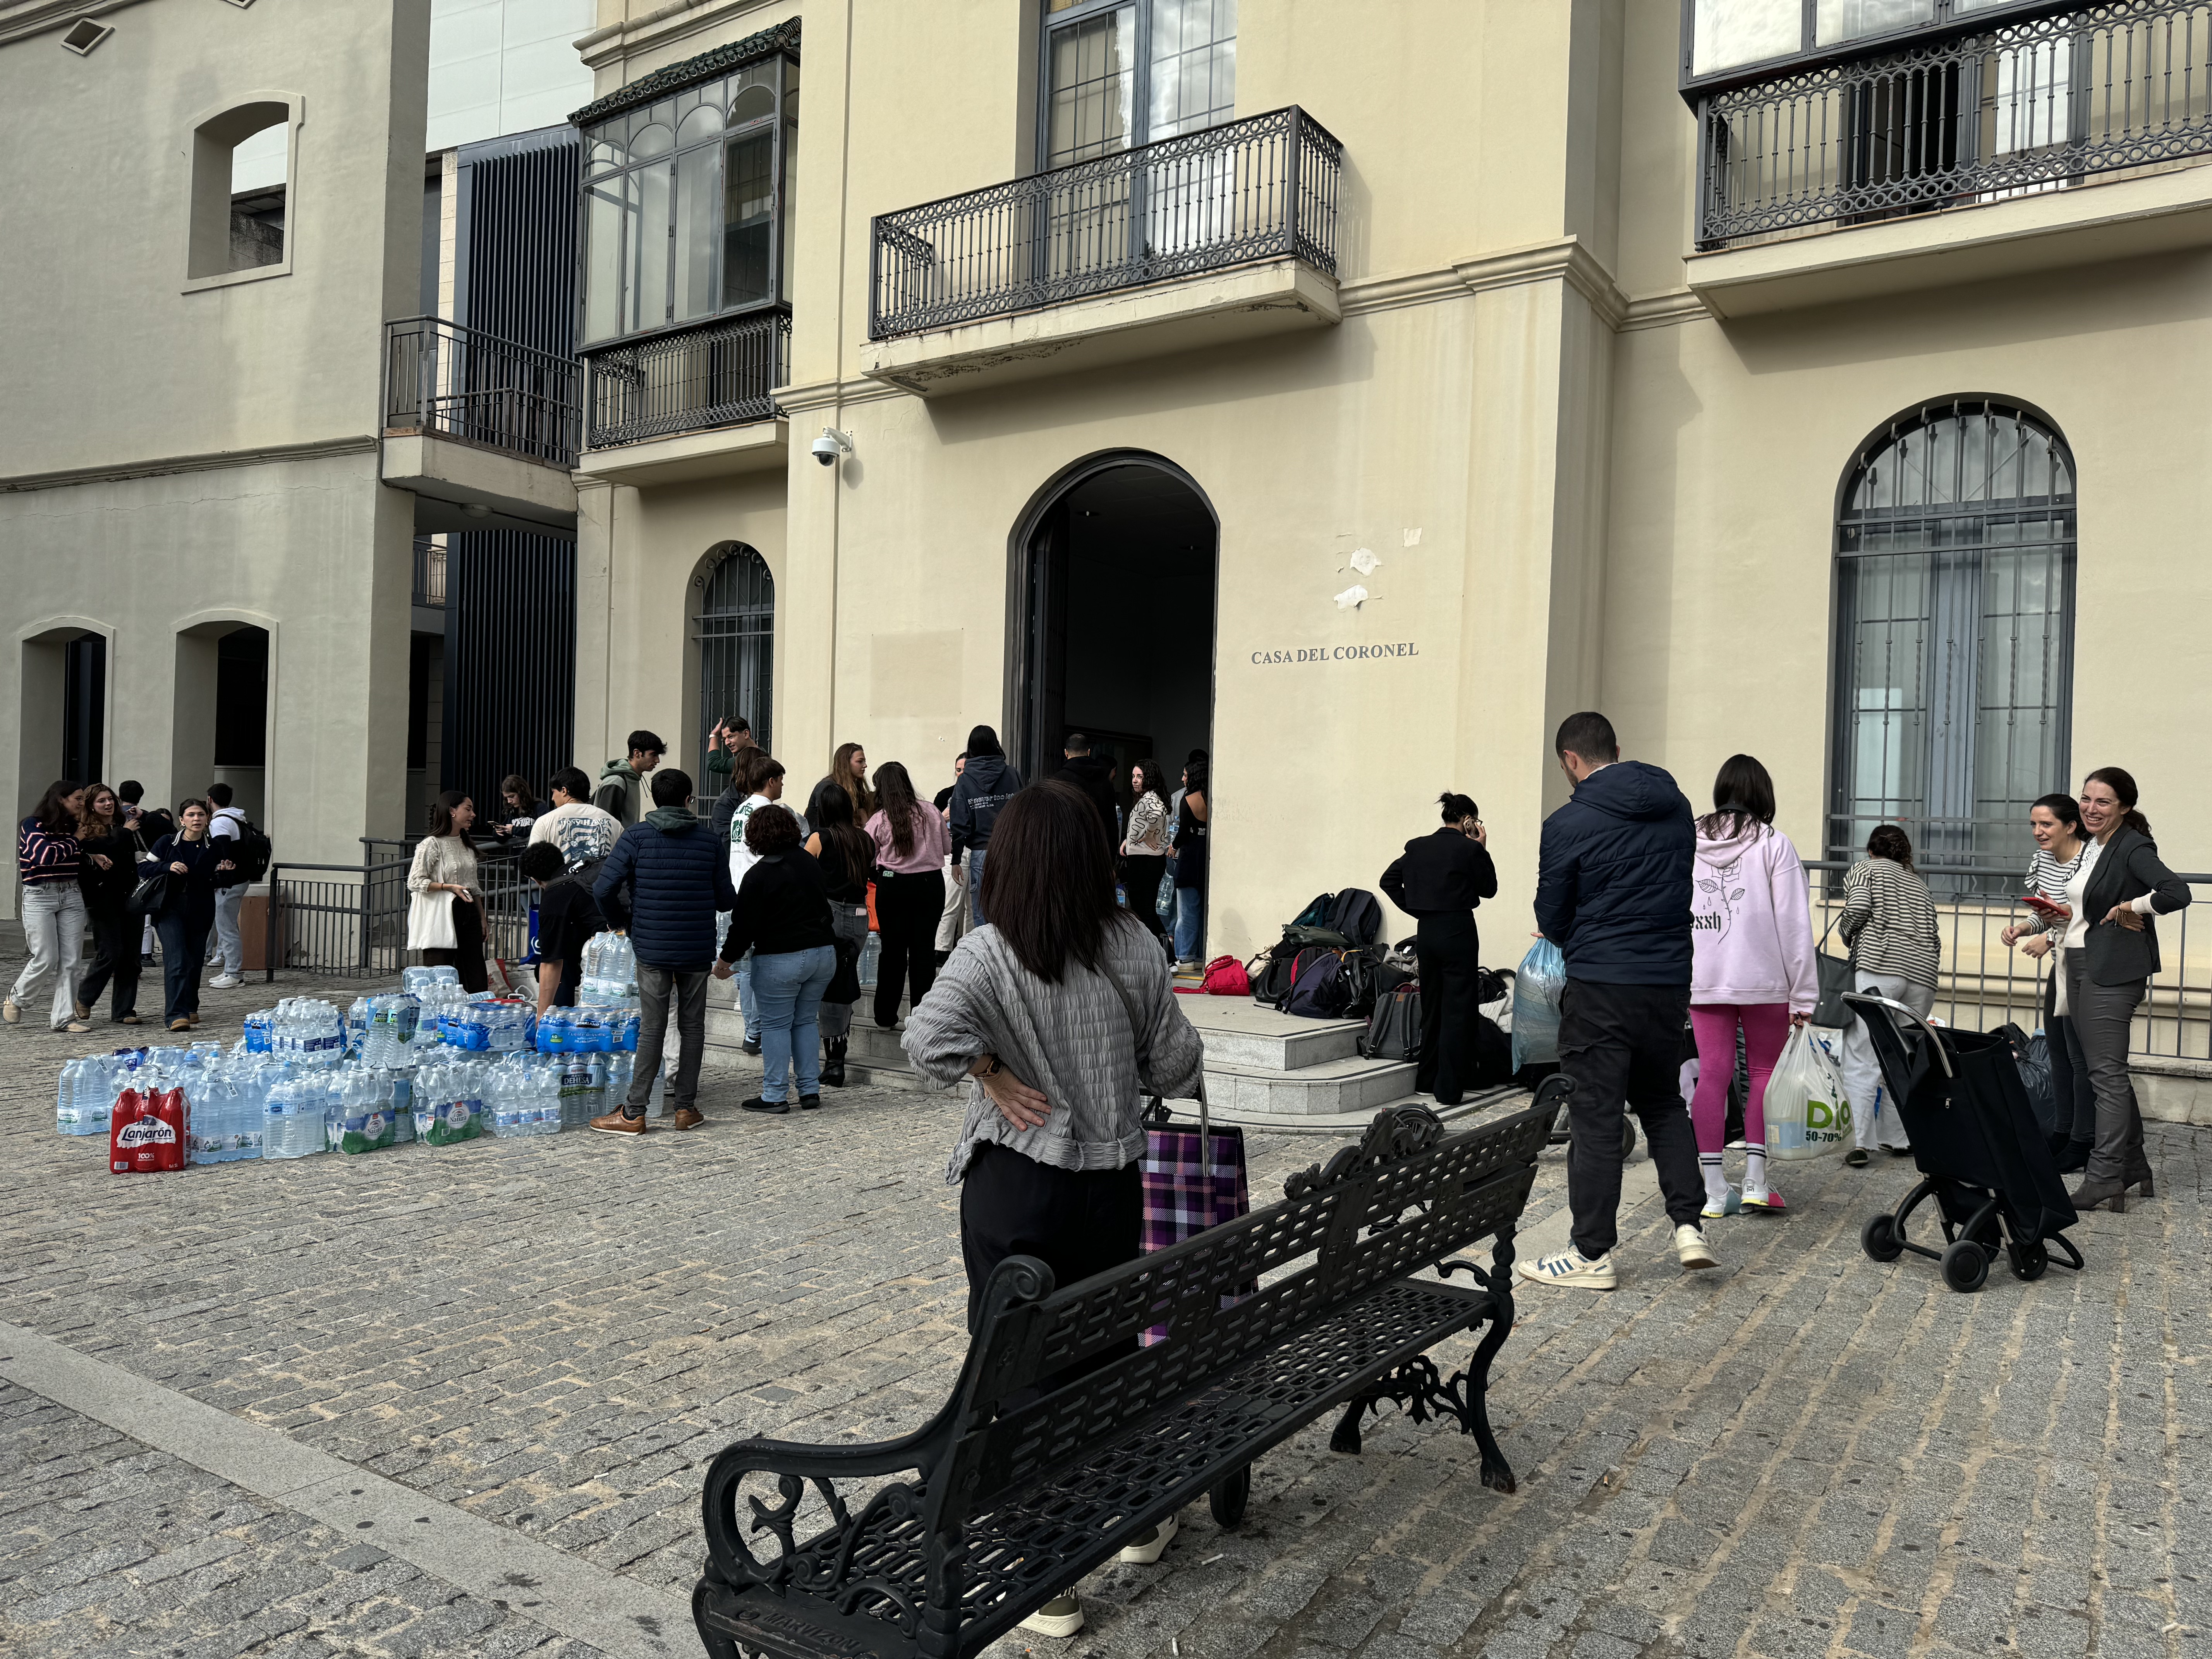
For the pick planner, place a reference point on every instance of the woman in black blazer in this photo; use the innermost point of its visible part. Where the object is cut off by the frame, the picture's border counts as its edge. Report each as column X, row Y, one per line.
column 2110, row 954
column 195, row 864
column 1440, row 879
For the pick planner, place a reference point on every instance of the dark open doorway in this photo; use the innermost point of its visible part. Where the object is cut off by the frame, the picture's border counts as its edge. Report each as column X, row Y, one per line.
column 1118, row 644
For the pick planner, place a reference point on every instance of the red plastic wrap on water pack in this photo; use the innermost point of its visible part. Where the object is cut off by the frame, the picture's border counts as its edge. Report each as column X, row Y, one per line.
column 147, row 1133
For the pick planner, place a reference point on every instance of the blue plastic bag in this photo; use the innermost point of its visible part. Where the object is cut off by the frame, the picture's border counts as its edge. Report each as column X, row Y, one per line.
column 1536, row 987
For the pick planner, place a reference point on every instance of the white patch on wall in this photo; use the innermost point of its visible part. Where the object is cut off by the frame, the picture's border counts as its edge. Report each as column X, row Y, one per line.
column 1352, row 598
column 1365, row 562
column 918, row 673
column 1413, row 537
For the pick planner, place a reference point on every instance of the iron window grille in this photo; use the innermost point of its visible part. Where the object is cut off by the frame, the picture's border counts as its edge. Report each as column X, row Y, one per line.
column 2031, row 103
column 1261, row 188
column 1953, row 659
column 734, row 633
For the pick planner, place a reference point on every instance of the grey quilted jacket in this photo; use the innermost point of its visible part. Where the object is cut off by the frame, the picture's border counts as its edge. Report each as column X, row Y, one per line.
column 1077, row 1042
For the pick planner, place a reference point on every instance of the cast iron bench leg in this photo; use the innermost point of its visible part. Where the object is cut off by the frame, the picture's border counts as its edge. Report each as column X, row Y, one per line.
column 1230, row 1495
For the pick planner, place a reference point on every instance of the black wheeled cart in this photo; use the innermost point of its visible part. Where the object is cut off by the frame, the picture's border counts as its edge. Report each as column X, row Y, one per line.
column 1979, row 1147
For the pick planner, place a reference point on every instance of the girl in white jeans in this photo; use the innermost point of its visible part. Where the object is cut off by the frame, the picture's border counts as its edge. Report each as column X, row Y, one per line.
column 47, row 855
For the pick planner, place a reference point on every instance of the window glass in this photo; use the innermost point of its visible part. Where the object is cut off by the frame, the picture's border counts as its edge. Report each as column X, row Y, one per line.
column 1837, row 20
column 695, row 205
column 748, row 210
column 1728, row 32
column 1193, row 65
column 1092, row 66
column 649, row 300
column 603, row 257
column 653, row 139
column 755, row 103
column 790, row 177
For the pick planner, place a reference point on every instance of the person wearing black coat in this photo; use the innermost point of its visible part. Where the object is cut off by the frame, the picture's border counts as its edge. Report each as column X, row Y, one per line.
column 1094, row 777
column 196, row 865
column 1438, row 880
column 2110, row 953
column 782, row 916
column 663, row 883
column 107, row 875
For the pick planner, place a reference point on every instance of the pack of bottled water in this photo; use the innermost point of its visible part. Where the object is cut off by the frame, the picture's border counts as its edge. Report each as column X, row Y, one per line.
column 588, row 1031
column 416, row 980
column 307, row 1031
column 610, row 972
column 85, row 1103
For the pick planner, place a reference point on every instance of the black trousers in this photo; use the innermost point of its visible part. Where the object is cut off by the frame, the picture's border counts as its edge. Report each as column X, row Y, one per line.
column 466, row 958
column 1077, row 1222
column 1622, row 1044
column 184, row 942
column 907, row 911
column 2076, row 1101
column 1450, row 951
column 1140, row 881
column 117, row 938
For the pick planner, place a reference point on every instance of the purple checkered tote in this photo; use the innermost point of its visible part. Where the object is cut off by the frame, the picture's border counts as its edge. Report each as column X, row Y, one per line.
column 1179, row 1200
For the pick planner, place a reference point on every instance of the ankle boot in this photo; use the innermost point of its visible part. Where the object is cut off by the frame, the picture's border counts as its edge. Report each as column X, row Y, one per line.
column 2073, row 1156
column 2096, row 1191
column 833, row 1062
column 2139, row 1176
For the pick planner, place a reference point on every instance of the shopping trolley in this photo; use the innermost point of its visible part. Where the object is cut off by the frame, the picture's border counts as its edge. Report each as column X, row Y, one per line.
column 1980, row 1151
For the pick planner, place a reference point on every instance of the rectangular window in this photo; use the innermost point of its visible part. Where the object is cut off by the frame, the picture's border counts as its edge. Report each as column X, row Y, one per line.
column 1121, row 73
column 1727, row 34
column 686, row 203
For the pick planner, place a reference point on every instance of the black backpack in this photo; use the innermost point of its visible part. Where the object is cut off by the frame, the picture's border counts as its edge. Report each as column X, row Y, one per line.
column 251, row 849
column 1357, row 914
column 1331, row 985
column 1315, row 913
column 1272, row 981
column 1394, row 1031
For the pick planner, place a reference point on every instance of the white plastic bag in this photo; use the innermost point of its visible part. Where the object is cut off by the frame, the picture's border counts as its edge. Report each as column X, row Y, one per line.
column 1536, row 987
column 1807, row 1113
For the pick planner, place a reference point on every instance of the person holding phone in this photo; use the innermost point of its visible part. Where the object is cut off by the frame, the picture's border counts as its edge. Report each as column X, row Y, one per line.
column 1438, row 880
column 2060, row 845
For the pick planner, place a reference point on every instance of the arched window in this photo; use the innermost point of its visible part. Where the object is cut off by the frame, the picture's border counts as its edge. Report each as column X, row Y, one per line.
column 736, row 635
column 1954, row 637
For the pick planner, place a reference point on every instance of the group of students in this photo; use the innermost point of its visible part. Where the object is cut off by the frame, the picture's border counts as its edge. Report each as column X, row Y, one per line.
column 82, row 858
column 1664, row 916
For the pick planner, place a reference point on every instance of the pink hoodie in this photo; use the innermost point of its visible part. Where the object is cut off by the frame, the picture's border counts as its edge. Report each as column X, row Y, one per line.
column 1751, row 923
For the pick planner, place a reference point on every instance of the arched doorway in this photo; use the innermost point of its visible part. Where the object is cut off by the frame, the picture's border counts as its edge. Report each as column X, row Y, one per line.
column 734, row 633
column 1117, row 564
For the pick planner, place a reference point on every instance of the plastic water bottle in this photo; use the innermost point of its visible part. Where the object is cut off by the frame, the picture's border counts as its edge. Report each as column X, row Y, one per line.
column 870, row 954
column 283, row 1121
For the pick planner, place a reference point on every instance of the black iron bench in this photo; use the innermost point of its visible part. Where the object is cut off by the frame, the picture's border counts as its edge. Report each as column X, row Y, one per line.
column 1060, row 1445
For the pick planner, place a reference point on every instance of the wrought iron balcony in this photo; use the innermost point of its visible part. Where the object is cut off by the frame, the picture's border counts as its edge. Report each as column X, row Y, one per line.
column 719, row 373
column 2014, row 109
column 443, row 381
column 1262, row 188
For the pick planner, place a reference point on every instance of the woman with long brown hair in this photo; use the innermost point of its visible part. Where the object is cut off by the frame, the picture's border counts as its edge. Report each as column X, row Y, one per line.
column 1889, row 922
column 446, row 912
column 110, row 871
column 849, row 766
column 51, row 906
column 2111, row 952
column 846, row 855
column 910, row 841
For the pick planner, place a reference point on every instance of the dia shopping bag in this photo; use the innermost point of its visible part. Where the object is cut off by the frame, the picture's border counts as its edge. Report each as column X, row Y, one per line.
column 1807, row 1113
column 1193, row 1179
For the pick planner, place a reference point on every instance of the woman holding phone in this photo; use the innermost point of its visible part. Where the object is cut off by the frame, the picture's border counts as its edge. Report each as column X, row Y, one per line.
column 1438, row 881
column 2060, row 845
column 2110, row 954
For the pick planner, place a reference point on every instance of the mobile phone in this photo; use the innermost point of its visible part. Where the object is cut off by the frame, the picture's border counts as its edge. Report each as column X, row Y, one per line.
column 2044, row 907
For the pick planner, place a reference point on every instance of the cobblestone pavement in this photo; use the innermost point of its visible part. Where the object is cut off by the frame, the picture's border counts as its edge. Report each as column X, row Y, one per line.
column 1804, row 1453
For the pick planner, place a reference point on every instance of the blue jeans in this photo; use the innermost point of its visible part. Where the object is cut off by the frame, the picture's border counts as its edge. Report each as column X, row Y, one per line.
column 1190, row 922
column 976, row 886
column 787, row 990
column 746, row 1004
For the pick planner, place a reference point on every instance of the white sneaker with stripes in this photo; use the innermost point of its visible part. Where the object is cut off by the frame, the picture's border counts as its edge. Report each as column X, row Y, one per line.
column 1569, row 1267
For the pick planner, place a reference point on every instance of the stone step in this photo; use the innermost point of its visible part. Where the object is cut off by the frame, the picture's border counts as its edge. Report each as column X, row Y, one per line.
column 1336, row 1088
column 1239, row 1032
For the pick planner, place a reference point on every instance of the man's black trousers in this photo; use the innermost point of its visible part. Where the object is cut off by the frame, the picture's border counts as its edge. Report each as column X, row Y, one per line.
column 1622, row 1044
column 1449, row 953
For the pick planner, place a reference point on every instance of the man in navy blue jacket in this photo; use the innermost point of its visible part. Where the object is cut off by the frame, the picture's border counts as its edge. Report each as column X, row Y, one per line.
column 677, row 872
column 1613, row 892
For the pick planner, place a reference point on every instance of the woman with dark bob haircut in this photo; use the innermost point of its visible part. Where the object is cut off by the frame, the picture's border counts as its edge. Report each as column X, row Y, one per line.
column 1060, row 1013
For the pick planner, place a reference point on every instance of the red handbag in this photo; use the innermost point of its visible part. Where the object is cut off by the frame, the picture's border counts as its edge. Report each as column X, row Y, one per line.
column 1225, row 977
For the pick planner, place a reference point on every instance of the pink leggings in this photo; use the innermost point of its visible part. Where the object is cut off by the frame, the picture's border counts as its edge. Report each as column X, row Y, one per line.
column 1765, row 1026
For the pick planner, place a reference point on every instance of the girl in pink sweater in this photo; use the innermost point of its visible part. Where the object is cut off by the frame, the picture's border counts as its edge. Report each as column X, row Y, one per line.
column 1751, row 927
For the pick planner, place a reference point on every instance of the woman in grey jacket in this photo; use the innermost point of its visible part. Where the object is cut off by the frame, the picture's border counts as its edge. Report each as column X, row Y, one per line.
column 1060, row 1012
column 2110, row 953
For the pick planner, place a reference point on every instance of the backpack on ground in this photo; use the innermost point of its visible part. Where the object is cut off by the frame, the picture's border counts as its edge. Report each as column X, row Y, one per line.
column 1315, row 913
column 252, row 851
column 1299, row 935
column 1330, row 985
column 1393, row 1030
column 1270, row 973
column 1357, row 914
column 1493, row 1054
column 1225, row 977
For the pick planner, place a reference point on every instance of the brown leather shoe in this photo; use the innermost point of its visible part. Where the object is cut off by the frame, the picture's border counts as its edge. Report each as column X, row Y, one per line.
column 614, row 1123
column 688, row 1119
column 180, row 1025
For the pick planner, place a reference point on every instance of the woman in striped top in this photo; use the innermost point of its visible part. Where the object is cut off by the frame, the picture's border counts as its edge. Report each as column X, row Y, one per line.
column 47, row 855
column 1889, row 922
column 2055, row 821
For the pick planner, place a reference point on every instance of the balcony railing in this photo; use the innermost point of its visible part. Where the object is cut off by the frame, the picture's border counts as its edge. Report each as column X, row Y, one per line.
column 429, row 572
column 1258, row 189
column 720, row 374
column 447, row 382
column 2017, row 109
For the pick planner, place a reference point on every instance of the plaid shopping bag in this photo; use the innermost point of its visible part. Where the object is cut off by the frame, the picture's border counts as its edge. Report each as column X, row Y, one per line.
column 1182, row 1196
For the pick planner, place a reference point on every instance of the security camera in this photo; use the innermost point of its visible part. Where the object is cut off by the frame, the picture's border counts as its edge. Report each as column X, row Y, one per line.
column 829, row 446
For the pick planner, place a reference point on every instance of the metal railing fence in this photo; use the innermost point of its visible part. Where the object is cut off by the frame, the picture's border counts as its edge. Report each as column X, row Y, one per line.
column 2023, row 106
column 350, row 922
column 1985, row 983
column 720, row 374
column 448, row 381
column 1260, row 188
column 429, row 573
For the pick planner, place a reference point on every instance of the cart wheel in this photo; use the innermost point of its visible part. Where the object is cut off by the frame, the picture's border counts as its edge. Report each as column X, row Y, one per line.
column 1229, row 1496
column 1627, row 1137
column 1965, row 1269
column 2028, row 1261
column 1879, row 1239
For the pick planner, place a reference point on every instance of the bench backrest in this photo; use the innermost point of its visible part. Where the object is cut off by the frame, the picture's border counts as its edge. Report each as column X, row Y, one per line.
column 1407, row 1197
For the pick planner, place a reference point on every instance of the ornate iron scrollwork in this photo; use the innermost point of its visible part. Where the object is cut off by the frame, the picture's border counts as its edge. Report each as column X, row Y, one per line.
column 1397, row 1132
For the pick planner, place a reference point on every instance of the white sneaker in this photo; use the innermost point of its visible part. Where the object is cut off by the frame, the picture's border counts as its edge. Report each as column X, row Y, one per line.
column 1569, row 1267
column 1690, row 1248
column 1150, row 1545
column 1062, row 1616
column 225, row 982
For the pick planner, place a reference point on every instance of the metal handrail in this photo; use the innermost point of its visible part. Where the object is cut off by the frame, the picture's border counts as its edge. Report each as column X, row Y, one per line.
column 2026, row 106
column 473, row 387
column 721, row 373
column 1261, row 188
column 1984, row 982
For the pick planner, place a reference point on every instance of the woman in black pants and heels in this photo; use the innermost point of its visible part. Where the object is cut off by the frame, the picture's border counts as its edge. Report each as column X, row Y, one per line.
column 1438, row 881
column 910, row 840
column 2110, row 954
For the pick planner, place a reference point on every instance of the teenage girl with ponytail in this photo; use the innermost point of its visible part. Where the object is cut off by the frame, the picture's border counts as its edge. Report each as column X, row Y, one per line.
column 2110, row 954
